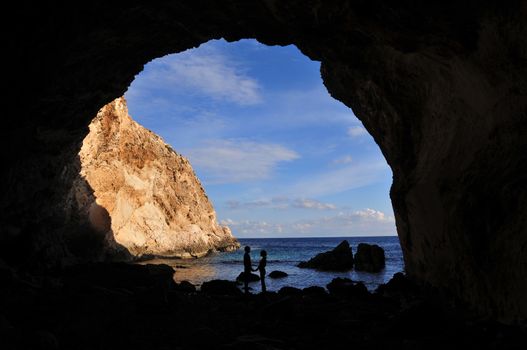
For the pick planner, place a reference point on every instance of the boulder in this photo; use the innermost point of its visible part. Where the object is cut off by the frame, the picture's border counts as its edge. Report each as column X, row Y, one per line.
column 289, row 291
column 252, row 277
column 277, row 274
column 314, row 291
column 399, row 287
column 220, row 287
column 186, row 287
column 347, row 288
column 369, row 258
column 338, row 259
column 119, row 275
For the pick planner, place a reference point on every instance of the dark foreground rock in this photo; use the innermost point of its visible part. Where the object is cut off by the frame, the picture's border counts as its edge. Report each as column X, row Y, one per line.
column 119, row 275
column 44, row 312
column 347, row 288
column 277, row 274
column 252, row 277
column 369, row 258
column 186, row 286
column 314, row 291
column 289, row 291
column 220, row 287
column 338, row 259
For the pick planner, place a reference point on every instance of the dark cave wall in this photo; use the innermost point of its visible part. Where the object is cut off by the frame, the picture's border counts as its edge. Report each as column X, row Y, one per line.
column 441, row 86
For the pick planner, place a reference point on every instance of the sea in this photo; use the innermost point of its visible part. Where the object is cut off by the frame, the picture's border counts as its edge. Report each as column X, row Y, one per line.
column 284, row 254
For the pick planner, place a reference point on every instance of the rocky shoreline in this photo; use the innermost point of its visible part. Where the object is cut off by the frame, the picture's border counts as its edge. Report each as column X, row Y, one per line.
column 118, row 305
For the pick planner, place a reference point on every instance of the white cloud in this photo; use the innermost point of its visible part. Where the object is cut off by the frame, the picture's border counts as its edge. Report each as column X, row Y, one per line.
column 343, row 179
column 309, row 106
column 366, row 222
column 343, row 160
column 233, row 161
column 281, row 203
column 371, row 214
column 273, row 203
column 206, row 71
column 253, row 228
column 312, row 204
column 356, row 131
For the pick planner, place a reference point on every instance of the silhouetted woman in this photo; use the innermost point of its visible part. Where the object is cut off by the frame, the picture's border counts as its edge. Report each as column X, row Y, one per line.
column 247, row 268
column 261, row 268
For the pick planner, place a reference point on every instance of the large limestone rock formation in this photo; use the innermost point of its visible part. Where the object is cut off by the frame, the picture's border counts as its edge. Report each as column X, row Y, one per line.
column 146, row 197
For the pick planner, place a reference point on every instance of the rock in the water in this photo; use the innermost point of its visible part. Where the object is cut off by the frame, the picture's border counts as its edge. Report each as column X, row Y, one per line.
column 338, row 259
column 346, row 287
column 220, row 287
column 252, row 277
column 142, row 195
column 369, row 258
column 277, row 274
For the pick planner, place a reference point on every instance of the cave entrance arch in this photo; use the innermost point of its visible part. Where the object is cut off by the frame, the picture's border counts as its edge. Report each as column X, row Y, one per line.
column 443, row 96
column 239, row 110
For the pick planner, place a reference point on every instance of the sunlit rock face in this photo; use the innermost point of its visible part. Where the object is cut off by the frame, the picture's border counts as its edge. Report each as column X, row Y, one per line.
column 146, row 197
column 441, row 86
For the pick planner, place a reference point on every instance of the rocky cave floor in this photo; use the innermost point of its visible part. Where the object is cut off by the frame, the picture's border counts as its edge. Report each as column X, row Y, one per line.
column 114, row 306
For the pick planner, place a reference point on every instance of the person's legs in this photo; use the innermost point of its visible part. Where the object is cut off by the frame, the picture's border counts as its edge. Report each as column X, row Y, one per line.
column 246, row 281
column 262, row 279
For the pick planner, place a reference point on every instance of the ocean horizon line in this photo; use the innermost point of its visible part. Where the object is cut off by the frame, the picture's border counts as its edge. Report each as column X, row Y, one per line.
column 317, row 237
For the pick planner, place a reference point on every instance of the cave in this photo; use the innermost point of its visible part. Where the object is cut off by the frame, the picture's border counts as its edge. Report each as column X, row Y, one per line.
column 441, row 87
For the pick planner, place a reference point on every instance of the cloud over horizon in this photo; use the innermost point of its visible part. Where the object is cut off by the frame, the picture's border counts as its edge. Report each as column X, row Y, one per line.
column 367, row 222
column 281, row 203
column 207, row 72
column 343, row 179
column 234, row 161
column 356, row 131
column 343, row 160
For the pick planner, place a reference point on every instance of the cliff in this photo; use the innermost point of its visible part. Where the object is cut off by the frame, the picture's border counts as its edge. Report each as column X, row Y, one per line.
column 146, row 197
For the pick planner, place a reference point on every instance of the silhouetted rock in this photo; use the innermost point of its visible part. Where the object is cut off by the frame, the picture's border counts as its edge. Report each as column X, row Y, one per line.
column 255, row 341
column 277, row 274
column 185, row 286
column 289, row 291
column 399, row 287
column 220, row 287
column 346, row 287
column 252, row 277
column 119, row 275
column 338, row 259
column 314, row 291
column 369, row 258
column 6, row 273
column 43, row 340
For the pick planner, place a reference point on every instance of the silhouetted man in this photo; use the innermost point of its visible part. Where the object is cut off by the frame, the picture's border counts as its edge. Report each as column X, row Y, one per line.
column 247, row 268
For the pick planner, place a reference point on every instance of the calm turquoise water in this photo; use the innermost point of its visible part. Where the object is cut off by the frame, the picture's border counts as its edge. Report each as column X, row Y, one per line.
column 284, row 254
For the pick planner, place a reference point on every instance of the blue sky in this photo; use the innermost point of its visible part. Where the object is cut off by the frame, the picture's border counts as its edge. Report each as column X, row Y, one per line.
column 277, row 155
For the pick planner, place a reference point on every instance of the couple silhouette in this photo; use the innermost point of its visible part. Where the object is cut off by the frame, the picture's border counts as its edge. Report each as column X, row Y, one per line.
column 248, row 268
